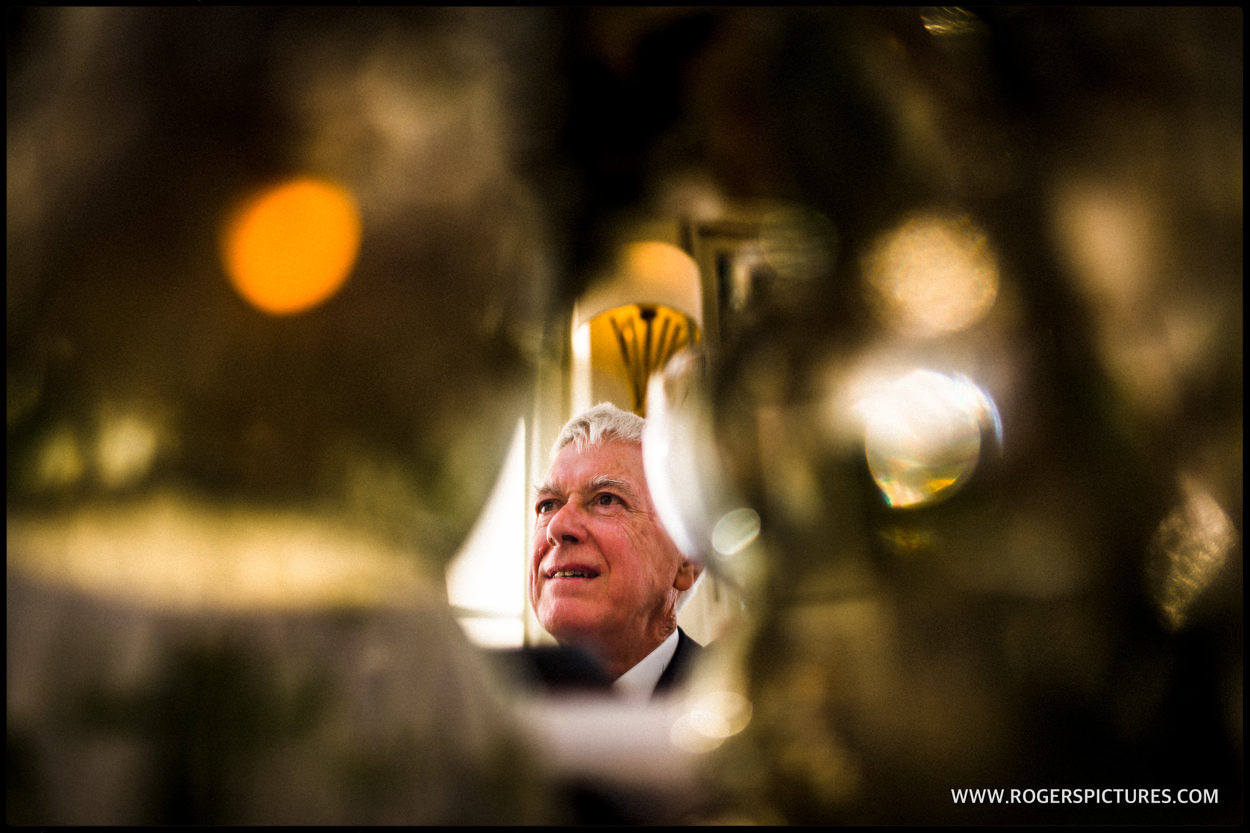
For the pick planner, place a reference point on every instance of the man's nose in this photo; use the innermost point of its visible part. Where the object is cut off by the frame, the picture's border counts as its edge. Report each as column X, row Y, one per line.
column 566, row 525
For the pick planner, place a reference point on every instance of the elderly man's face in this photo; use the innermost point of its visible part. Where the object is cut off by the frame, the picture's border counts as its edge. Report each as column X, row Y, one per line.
column 604, row 574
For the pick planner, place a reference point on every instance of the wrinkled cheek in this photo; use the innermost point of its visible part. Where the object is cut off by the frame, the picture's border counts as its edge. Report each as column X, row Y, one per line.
column 533, row 583
column 665, row 559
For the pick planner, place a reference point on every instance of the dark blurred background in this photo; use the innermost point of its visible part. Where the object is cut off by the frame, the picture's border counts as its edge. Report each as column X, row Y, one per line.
column 226, row 529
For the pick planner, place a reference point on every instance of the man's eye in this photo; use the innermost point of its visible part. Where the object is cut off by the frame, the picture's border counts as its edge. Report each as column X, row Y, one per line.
column 606, row 499
column 544, row 506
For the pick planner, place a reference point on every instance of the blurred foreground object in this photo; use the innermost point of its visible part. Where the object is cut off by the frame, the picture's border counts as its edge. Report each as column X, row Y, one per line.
column 122, row 713
column 273, row 293
column 979, row 476
column 971, row 421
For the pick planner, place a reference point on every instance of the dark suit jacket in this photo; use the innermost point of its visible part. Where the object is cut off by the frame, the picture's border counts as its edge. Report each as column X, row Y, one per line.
column 679, row 667
column 554, row 668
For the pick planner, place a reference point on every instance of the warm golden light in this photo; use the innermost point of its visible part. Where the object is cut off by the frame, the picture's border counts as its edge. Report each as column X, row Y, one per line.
column 1114, row 237
column 632, row 342
column 922, row 435
column 951, row 22
column 1189, row 549
column 711, row 719
column 292, row 246
column 126, row 448
column 173, row 553
column 736, row 530
column 634, row 318
column 935, row 274
column 649, row 272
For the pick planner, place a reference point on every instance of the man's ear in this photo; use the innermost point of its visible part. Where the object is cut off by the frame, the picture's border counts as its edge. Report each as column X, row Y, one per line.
column 686, row 574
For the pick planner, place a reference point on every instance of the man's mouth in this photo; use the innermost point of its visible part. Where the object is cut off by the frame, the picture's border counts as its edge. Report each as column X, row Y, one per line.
column 572, row 572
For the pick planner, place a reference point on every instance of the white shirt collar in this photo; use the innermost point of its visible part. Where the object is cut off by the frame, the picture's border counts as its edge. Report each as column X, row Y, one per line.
column 640, row 681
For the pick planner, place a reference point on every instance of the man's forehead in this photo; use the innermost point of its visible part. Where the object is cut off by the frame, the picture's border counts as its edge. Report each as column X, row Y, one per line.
column 563, row 486
column 613, row 465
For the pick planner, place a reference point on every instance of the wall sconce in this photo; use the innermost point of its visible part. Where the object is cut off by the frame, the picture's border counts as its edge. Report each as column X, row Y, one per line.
column 648, row 335
column 631, row 323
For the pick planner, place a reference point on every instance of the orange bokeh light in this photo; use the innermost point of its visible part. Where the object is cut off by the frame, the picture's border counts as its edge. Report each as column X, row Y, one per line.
column 292, row 246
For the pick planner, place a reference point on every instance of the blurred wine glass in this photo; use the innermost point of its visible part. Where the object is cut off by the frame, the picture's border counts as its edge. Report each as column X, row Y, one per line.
column 275, row 288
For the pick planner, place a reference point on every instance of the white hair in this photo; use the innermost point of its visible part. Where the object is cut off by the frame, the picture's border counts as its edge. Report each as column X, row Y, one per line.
column 604, row 422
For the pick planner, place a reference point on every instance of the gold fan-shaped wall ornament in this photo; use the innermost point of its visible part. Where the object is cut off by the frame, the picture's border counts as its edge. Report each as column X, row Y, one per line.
column 646, row 336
